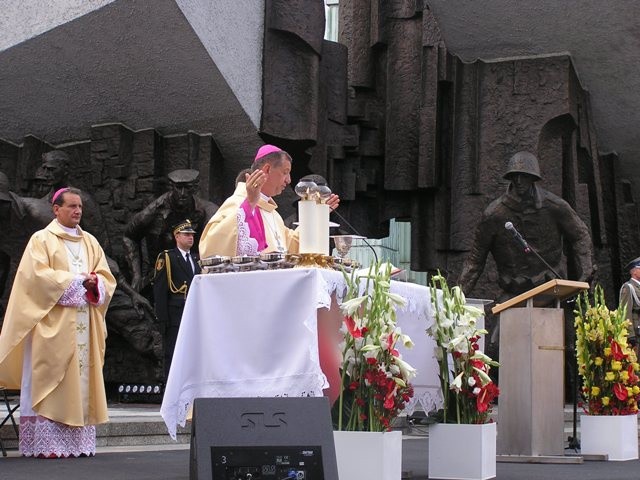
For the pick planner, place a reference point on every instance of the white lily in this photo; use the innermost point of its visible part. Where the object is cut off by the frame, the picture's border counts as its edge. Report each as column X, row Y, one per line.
column 374, row 307
column 454, row 326
column 397, row 299
column 458, row 295
column 408, row 372
column 484, row 378
column 406, row 341
column 456, row 384
column 473, row 311
column 351, row 306
column 485, row 358
column 399, row 382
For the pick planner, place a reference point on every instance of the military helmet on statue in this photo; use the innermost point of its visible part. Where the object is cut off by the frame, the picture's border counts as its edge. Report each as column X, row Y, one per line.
column 523, row 162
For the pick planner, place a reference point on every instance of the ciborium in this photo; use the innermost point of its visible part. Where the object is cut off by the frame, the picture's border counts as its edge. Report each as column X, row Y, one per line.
column 343, row 244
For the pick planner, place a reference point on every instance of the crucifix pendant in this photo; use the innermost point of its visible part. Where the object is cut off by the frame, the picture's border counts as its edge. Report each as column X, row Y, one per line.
column 279, row 246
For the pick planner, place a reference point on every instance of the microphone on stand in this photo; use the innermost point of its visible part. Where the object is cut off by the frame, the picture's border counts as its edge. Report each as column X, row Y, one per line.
column 528, row 249
column 518, row 238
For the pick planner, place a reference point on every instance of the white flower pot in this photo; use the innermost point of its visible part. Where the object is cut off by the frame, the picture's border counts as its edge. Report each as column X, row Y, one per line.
column 612, row 435
column 463, row 452
column 369, row 455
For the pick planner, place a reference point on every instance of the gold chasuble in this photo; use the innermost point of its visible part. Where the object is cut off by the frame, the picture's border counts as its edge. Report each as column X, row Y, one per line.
column 43, row 275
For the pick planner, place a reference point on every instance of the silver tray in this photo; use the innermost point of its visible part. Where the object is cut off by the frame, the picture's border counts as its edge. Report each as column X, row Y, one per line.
column 273, row 257
column 214, row 261
column 244, row 259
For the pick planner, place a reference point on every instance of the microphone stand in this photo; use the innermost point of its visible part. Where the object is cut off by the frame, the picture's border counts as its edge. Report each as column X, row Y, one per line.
column 534, row 251
column 375, row 255
column 574, row 443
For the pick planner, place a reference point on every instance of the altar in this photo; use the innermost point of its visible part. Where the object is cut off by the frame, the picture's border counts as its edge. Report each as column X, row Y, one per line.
column 275, row 333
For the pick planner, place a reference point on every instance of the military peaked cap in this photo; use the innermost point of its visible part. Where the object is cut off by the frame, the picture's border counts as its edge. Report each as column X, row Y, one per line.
column 184, row 227
column 635, row 263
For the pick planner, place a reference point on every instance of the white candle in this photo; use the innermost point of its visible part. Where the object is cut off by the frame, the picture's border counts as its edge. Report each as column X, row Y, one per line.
column 322, row 229
column 313, row 226
column 306, row 211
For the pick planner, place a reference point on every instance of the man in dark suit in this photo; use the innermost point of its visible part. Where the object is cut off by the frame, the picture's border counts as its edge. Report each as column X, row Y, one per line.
column 174, row 271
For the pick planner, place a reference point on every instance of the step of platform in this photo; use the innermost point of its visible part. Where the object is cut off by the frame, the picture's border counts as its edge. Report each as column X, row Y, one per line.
column 129, row 425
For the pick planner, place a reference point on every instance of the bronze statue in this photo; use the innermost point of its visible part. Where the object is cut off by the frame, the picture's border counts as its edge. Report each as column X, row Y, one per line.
column 40, row 184
column 54, row 173
column 21, row 217
column 153, row 225
column 547, row 223
column 133, row 318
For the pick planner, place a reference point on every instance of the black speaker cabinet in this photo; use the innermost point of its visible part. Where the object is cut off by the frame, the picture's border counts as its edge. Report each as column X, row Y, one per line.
column 262, row 438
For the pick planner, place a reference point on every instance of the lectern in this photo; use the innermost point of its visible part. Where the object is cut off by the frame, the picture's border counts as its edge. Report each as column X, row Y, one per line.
column 531, row 403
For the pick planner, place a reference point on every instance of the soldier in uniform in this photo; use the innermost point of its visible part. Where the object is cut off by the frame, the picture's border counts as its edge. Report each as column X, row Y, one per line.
column 174, row 272
column 630, row 299
column 154, row 223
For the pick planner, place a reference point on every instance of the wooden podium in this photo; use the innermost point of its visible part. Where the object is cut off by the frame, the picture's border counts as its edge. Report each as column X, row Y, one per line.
column 531, row 402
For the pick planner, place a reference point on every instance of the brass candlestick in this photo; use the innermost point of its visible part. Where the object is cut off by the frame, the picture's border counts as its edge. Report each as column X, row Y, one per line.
column 312, row 260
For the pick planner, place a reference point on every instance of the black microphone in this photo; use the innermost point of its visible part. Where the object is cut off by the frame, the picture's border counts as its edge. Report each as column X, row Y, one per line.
column 516, row 235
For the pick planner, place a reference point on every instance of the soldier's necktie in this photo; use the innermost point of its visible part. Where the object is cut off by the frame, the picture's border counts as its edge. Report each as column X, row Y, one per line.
column 187, row 258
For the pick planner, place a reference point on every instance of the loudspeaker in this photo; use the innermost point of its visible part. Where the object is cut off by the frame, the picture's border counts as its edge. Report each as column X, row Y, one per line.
column 267, row 438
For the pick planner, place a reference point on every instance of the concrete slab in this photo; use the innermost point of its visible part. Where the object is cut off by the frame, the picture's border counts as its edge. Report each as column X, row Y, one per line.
column 160, row 458
column 164, row 463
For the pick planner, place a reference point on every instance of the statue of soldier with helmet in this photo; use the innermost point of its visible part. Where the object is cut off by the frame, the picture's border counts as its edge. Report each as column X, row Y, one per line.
column 154, row 224
column 549, row 224
column 546, row 221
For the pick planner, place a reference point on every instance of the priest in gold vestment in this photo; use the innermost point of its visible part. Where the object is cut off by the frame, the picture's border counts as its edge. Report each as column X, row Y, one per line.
column 52, row 342
column 247, row 223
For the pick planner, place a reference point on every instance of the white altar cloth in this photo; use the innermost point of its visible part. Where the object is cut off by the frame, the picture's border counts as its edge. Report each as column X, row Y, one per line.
column 254, row 334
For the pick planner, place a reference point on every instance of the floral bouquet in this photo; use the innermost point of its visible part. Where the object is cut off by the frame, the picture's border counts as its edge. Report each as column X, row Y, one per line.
column 375, row 379
column 467, row 389
column 607, row 365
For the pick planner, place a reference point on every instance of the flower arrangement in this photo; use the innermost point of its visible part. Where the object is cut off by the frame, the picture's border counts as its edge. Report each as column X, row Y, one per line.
column 467, row 389
column 375, row 379
column 607, row 365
